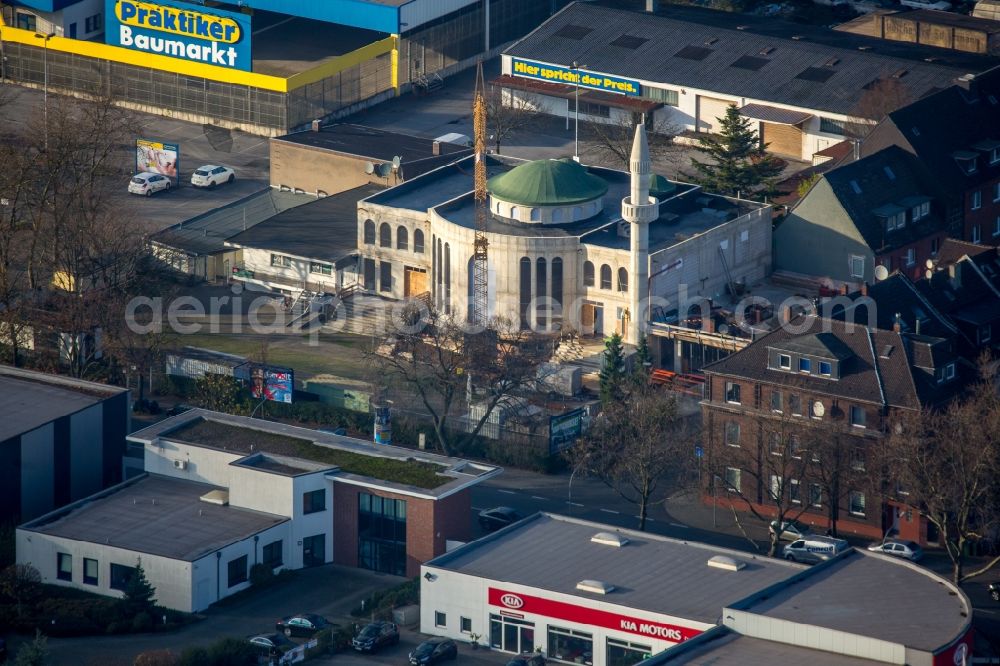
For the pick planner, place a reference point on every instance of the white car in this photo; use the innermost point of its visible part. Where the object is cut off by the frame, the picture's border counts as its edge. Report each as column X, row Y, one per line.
column 148, row 183
column 211, row 175
column 940, row 5
column 906, row 549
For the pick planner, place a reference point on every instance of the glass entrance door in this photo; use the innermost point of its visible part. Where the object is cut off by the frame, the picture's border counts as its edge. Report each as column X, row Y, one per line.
column 314, row 550
column 511, row 635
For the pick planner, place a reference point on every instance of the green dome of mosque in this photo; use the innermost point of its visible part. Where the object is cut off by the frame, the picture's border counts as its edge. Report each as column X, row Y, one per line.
column 547, row 183
column 660, row 187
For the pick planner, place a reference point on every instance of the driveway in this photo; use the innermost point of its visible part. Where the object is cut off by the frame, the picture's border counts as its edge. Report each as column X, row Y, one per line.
column 408, row 639
column 329, row 590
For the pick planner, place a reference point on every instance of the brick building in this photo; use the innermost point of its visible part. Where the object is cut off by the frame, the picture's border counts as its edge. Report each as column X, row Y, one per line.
column 221, row 493
column 793, row 421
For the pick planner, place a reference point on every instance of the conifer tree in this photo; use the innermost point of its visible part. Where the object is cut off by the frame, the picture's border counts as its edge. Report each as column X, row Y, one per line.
column 739, row 162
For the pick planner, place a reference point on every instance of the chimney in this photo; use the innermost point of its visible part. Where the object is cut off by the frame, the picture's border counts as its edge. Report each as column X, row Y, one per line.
column 916, row 326
column 708, row 325
column 896, row 326
column 955, row 275
column 316, row 125
column 786, row 314
column 967, row 82
column 436, row 148
column 652, row 6
column 844, row 289
column 864, row 288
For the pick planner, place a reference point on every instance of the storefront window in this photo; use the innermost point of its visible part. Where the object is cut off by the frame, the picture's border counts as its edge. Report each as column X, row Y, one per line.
column 382, row 534
column 622, row 653
column 571, row 646
column 511, row 635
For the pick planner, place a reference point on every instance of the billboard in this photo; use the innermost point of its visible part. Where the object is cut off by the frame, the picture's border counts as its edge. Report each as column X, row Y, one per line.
column 270, row 383
column 209, row 36
column 157, row 157
column 564, row 429
column 556, row 74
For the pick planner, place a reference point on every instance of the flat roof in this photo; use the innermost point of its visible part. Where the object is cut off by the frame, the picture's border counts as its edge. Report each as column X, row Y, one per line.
column 370, row 143
column 350, row 460
column 728, row 648
column 286, row 45
column 964, row 21
column 156, row 515
column 30, row 399
column 324, row 229
column 853, row 593
column 207, row 233
column 651, row 573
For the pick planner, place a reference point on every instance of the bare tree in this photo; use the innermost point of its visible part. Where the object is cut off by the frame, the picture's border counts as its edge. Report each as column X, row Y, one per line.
column 880, row 98
column 638, row 447
column 944, row 464
column 844, row 462
column 431, row 356
column 508, row 114
column 613, row 140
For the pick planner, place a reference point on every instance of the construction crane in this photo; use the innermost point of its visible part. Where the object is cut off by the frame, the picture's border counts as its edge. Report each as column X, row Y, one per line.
column 480, row 255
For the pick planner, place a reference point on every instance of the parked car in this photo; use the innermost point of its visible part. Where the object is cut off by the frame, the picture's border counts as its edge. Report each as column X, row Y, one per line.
column 305, row 624
column 790, row 530
column 432, row 651
column 814, row 549
column 179, row 408
column 147, row 184
column 909, row 550
column 532, row 659
column 271, row 645
column 939, row 5
column 375, row 635
column 211, row 175
column 493, row 519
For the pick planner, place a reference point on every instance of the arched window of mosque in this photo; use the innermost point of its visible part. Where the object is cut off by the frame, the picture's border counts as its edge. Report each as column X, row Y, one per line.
column 588, row 274
column 605, row 276
column 558, row 215
column 577, row 212
column 385, row 235
column 418, row 241
column 514, row 212
column 402, row 238
column 369, row 232
column 536, row 215
column 622, row 279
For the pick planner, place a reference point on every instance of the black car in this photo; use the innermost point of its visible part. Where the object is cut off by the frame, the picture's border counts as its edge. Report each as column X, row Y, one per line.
column 493, row 519
column 271, row 645
column 534, row 659
column 375, row 635
column 305, row 624
column 432, row 651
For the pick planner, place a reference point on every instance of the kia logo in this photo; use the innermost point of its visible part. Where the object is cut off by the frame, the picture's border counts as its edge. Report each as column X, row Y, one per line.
column 961, row 654
column 511, row 600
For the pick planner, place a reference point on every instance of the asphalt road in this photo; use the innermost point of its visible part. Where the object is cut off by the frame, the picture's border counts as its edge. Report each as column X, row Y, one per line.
column 199, row 144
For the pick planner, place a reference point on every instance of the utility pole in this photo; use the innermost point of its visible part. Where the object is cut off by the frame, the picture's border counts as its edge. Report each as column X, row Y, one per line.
column 576, row 67
column 45, row 85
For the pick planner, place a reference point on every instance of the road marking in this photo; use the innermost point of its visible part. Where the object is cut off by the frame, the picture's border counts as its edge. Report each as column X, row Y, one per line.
column 609, row 511
column 259, row 143
column 648, row 519
column 506, row 492
column 678, row 525
column 573, row 503
column 539, row 498
column 478, row 508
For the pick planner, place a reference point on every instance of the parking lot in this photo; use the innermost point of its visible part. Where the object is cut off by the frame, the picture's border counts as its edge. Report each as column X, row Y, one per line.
column 199, row 144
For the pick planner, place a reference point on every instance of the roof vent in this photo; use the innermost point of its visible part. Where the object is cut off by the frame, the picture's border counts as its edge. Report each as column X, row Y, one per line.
column 832, row 62
column 609, row 539
column 766, row 50
column 595, row 586
column 711, row 40
column 742, row 27
column 899, row 73
column 725, row 562
column 865, row 48
column 219, row 497
column 798, row 38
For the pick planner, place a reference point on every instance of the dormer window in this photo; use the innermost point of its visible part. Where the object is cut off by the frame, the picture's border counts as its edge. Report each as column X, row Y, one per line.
column 921, row 211
column 825, row 368
column 967, row 161
column 892, row 216
column 805, row 365
column 995, row 156
column 784, row 361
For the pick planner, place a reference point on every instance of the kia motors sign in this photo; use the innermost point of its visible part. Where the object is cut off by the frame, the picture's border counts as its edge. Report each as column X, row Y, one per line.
column 560, row 610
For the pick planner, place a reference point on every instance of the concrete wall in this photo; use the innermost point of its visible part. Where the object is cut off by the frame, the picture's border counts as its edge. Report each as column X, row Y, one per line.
column 37, row 471
column 203, row 465
column 312, row 524
column 209, row 578
column 295, row 277
column 460, row 595
column 818, row 238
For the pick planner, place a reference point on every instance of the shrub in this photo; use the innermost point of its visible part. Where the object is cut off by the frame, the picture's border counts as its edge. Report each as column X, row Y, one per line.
column 382, row 602
column 118, row 627
column 156, row 658
column 142, row 622
column 261, row 575
column 193, row 656
column 232, row 652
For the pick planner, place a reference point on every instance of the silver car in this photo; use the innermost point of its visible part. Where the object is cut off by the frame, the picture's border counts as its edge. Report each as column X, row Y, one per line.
column 909, row 550
column 148, row 183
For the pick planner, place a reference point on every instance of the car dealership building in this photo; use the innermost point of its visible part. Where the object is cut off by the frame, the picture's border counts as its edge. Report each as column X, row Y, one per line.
column 586, row 593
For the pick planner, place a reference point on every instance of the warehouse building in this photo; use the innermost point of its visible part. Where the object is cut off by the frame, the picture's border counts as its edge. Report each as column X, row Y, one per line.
column 221, row 493
column 61, row 439
column 681, row 67
column 585, row 593
column 266, row 66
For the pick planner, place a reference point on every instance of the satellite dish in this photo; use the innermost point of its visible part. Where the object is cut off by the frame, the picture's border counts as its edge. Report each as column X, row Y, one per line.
column 928, row 274
column 396, row 161
column 881, row 272
column 818, row 408
column 384, row 169
column 369, row 168
column 929, row 263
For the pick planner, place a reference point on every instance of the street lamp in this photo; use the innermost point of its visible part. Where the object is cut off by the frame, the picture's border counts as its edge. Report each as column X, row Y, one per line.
column 576, row 67
column 45, row 86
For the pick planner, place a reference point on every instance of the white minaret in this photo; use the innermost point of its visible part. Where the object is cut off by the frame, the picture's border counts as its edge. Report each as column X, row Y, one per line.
column 639, row 209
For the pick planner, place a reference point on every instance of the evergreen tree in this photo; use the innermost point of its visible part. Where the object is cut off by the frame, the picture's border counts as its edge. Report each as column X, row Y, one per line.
column 643, row 361
column 140, row 596
column 739, row 162
column 613, row 370
column 35, row 653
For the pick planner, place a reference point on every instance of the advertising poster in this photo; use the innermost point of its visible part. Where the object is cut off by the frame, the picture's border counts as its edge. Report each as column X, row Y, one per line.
column 206, row 35
column 157, row 157
column 556, row 74
column 273, row 384
column 565, row 429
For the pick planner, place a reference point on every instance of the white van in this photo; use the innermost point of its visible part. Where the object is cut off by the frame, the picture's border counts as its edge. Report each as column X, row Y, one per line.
column 813, row 549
